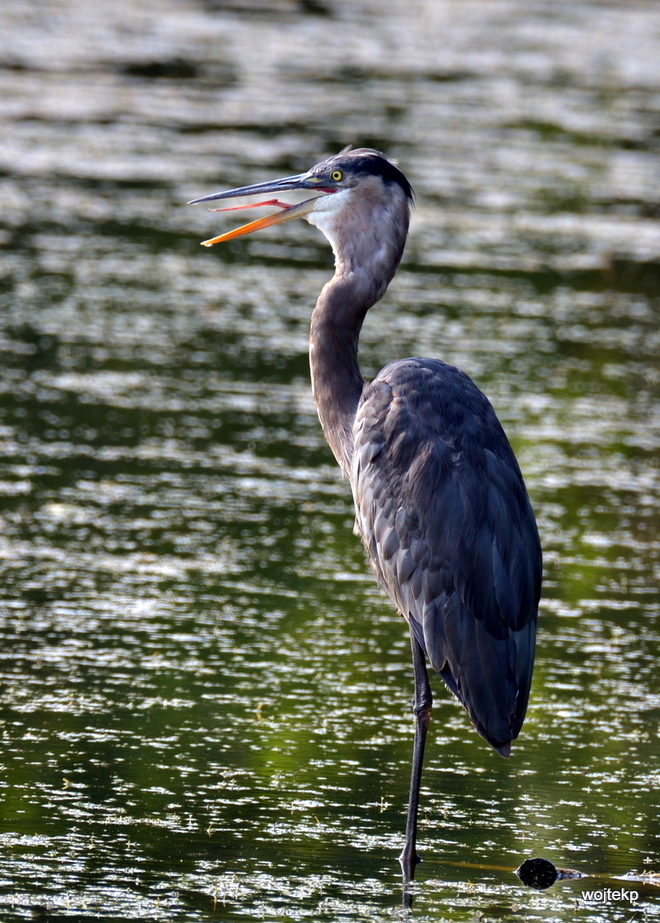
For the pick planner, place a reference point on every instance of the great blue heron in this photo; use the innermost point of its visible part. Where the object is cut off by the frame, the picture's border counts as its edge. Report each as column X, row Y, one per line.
column 440, row 502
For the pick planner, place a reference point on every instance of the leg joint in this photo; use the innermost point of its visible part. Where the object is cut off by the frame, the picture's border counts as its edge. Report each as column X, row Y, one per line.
column 422, row 706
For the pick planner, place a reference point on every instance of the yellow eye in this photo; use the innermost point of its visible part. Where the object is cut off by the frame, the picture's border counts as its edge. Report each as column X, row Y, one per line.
column 336, row 176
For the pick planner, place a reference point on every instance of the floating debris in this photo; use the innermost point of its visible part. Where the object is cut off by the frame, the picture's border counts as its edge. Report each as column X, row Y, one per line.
column 541, row 873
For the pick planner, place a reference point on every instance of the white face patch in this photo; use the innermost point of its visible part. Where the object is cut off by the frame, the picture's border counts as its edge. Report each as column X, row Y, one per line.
column 327, row 208
column 366, row 225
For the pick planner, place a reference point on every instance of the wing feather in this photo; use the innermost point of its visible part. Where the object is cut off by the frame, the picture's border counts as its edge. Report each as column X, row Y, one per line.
column 443, row 511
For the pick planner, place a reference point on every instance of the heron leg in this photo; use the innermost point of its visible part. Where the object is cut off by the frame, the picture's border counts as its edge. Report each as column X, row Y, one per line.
column 422, row 702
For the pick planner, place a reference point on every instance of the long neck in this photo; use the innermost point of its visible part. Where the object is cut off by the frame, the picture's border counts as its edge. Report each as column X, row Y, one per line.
column 367, row 234
column 333, row 357
column 362, row 273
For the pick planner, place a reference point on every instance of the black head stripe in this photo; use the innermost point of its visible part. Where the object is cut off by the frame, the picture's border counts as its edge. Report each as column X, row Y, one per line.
column 365, row 161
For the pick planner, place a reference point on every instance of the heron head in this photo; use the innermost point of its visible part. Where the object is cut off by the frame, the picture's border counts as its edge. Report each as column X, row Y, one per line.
column 340, row 185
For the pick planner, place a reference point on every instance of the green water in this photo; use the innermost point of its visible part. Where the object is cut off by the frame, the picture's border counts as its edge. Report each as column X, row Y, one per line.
column 205, row 702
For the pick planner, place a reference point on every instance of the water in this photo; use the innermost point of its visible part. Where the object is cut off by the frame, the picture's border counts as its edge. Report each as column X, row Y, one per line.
column 205, row 700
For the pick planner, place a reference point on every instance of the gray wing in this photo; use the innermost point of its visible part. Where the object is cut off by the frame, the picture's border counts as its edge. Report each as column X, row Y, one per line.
column 443, row 511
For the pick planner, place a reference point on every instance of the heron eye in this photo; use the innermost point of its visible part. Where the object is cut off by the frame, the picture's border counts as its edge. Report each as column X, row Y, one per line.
column 336, row 176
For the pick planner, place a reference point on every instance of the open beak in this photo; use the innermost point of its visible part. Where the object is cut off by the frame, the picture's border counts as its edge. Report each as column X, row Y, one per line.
column 301, row 181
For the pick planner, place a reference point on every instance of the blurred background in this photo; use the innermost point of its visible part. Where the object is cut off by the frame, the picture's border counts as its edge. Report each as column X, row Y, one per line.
column 205, row 706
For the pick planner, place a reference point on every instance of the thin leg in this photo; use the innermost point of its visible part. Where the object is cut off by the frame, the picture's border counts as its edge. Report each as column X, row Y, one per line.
column 422, row 709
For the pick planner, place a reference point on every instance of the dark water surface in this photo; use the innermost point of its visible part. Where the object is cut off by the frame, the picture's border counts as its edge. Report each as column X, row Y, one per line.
column 205, row 699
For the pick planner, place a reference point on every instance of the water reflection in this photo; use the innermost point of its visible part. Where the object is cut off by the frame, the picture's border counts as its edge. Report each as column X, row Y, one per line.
column 205, row 707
